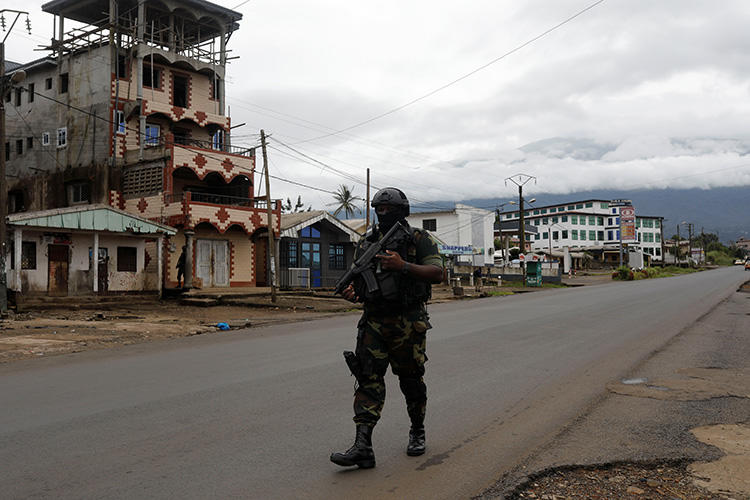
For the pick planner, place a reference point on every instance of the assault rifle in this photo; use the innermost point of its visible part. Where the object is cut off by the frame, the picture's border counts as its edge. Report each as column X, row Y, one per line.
column 363, row 264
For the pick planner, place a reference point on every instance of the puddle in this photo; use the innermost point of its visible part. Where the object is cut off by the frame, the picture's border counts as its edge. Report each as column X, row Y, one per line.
column 634, row 381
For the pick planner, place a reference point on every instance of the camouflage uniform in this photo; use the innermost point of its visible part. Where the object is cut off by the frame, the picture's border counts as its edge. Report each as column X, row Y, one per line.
column 395, row 334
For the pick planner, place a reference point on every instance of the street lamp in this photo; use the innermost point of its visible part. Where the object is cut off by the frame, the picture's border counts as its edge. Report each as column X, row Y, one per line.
column 690, row 239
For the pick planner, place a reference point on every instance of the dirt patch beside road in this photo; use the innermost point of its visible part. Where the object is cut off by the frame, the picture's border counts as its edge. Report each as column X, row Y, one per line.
column 59, row 331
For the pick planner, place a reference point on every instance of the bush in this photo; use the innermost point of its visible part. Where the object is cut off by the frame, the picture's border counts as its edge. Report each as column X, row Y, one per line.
column 623, row 273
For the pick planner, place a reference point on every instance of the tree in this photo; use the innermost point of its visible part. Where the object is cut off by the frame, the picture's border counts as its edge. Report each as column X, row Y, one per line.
column 298, row 207
column 344, row 199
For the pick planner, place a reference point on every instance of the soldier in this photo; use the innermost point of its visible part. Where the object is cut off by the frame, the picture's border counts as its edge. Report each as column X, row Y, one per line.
column 393, row 327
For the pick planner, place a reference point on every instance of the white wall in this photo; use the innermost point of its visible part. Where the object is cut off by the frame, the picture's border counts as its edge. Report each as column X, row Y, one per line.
column 463, row 226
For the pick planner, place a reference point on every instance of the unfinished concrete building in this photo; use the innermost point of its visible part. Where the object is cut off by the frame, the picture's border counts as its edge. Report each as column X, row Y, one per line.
column 128, row 110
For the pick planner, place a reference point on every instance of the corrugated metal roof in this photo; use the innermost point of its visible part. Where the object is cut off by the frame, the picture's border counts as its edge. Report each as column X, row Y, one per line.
column 90, row 218
column 291, row 224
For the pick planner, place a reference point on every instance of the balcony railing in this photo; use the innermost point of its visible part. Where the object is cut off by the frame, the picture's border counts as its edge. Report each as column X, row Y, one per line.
column 220, row 199
column 235, row 150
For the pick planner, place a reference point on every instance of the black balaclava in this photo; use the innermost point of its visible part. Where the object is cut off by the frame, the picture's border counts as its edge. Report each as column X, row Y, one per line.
column 387, row 221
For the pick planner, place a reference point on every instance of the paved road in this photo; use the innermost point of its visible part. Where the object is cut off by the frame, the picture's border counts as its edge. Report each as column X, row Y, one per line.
column 255, row 413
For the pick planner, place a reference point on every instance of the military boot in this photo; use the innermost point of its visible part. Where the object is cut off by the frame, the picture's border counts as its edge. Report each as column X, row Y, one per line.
column 416, row 444
column 360, row 454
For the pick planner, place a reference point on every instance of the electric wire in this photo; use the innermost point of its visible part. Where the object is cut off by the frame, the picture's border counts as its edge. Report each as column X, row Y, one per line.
column 467, row 75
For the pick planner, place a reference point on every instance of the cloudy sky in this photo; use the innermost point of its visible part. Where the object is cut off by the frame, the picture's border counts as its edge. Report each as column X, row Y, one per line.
column 629, row 94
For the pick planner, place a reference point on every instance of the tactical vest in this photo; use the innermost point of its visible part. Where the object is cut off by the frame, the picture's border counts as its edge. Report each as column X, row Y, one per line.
column 396, row 290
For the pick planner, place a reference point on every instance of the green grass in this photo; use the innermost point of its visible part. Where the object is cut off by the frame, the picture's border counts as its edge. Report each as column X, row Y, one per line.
column 498, row 293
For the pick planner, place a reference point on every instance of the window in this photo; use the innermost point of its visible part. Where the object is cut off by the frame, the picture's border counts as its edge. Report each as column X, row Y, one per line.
column 7, row 151
column 19, row 147
column 536, row 222
column 600, row 221
column 574, row 219
column 309, row 232
column 31, row 93
column 122, row 67
column 579, row 206
column 555, row 235
column 609, row 221
column 554, row 220
column 142, row 180
column 545, row 221
column 565, row 235
column 28, row 255
column 64, row 83
column 658, row 251
column 564, row 218
column 15, row 201
column 592, row 220
column 127, row 259
column 574, row 234
column 553, row 210
column 215, row 89
column 592, row 235
column 571, row 207
column 217, row 140
column 151, row 77
column 609, row 235
column 604, row 205
column 656, row 224
column 545, row 235
column 536, row 212
column 336, row 256
column 18, row 97
column 62, row 137
column 657, row 237
column 45, row 139
column 48, row 84
column 614, row 210
column 180, row 88
column 536, row 236
column 583, row 220
column 120, row 121
column 78, row 192
column 289, row 253
column 589, row 205
column 600, row 235
column 429, row 224
column 544, row 210
column 153, row 133
column 582, row 234
column 29, row 143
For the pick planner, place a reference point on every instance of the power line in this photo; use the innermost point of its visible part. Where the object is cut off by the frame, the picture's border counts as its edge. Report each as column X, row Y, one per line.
column 461, row 78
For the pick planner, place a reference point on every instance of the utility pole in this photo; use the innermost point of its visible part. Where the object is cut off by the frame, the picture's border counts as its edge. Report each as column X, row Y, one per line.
column 678, row 244
column 519, row 180
column 367, row 203
column 271, row 246
column 5, row 87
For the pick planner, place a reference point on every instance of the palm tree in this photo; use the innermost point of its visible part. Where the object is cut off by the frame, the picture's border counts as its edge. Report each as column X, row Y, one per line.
column 344, row 199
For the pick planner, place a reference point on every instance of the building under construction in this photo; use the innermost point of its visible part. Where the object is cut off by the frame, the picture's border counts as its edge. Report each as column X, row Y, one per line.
column 128, row 110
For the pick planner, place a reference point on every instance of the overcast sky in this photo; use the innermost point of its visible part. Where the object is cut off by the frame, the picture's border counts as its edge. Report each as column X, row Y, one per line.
column 630, row 94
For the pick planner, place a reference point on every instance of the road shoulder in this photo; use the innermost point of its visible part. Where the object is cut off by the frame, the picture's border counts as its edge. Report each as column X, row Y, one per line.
column 679, row 420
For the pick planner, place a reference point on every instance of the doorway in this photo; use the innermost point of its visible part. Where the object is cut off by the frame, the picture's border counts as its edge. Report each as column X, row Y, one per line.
column 212, row 262
column 102, row 264
column 261, row 262
column 57, row 284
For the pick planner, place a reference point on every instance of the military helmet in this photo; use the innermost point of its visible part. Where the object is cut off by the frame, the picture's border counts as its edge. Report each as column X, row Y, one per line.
column 391, row 196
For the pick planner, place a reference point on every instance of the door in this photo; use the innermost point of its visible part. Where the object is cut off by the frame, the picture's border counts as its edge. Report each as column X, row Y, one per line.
column 311, row 258
column 57, row 284
column 261, row 266
column 212, row 262
column 102, row 263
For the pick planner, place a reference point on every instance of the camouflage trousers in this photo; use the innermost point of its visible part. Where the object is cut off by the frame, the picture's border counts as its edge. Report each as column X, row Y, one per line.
column 398, row 339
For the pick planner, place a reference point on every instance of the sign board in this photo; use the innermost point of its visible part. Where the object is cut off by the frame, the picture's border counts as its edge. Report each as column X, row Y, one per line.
column 620, row 203
column 456, row 249
column 627, row 223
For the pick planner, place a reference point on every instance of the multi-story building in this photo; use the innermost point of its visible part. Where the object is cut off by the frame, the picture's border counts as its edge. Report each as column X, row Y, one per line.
column 128, row 110
column 592, row 226
column 465, row 232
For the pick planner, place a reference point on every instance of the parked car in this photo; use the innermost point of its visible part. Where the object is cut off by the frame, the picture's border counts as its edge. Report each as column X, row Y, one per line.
column 747, row 265
column 738, row 262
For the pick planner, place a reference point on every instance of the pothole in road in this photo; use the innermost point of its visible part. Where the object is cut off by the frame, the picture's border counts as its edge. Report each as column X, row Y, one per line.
column 690, row 384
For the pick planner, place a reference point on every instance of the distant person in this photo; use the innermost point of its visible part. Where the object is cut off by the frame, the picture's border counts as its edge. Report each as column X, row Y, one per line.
column 181, row 266
column 478, row 279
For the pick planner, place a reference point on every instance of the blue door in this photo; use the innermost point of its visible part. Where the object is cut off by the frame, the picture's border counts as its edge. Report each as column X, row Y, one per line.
column 311, row 258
